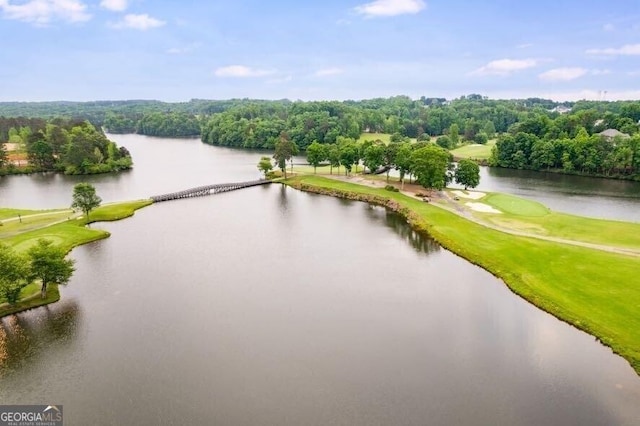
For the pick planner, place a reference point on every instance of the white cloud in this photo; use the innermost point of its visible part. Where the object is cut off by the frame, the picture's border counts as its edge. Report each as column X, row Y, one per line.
column 601, row 72
column 42, row 12
column 524, row 45
column 563, row 74
column 505, row 66
column 240, row 71
column 115, row 5
column 328, row 72
column 626, row 50
column 608, row 27
column 140, row 22
column 390, row 8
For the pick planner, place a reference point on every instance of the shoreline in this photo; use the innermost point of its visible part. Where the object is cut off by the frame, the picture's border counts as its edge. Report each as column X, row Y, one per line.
column 107, row 213
column 514, row 278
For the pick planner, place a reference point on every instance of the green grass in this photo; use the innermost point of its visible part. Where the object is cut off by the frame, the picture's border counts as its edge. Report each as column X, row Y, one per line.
column 384, row 137
column 515, row 205
column 73, row 232
column 13, row 213
column 475, row 151
column 530, row 216
column 67, row 234
column 32, row 301
column 33, row 222
column 591, row 289
column 322, row 169
column 117, row 211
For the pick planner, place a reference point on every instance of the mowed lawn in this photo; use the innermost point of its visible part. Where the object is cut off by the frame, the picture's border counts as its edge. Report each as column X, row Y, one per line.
column 521, row 214
column 384, row 137
column 11, row 214
column 594, row 290
column 475, row 151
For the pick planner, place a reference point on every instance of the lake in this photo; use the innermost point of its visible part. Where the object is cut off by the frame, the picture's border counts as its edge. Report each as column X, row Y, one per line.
column 277, row 307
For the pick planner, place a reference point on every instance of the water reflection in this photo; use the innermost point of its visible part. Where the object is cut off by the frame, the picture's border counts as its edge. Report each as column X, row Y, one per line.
column 283, row 201
column 421, row 243
column 392, row 220
column 27, row 336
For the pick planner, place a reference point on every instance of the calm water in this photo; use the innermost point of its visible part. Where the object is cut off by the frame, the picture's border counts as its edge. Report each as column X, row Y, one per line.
column 272, row 306
column 166, row 165
column 586, row 196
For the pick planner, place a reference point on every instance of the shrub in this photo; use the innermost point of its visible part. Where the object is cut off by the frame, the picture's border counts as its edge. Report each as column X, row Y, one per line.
column 444, row 142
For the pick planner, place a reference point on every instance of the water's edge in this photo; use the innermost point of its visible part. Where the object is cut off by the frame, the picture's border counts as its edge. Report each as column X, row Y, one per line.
column 422, row 227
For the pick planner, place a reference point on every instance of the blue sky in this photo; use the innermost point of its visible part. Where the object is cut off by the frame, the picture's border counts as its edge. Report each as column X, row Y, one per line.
column 352, row 49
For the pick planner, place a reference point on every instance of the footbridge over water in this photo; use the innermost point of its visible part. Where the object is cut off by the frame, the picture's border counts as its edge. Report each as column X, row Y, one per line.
column 208, row 190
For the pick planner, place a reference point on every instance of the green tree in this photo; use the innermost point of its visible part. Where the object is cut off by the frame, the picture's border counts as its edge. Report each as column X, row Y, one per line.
column 265, row 165
column 467, row 173
column 403, row 160
column 444, row 142
column 490, row 129
column 430, row 166
column 48, row 264
column 390, row 153
column 85, row 198
column 481, row 138
column 14, row 274
column 348, row 156
column 285, row 149
column 454, row 134
column 40, row 152
column 333, row 155
column 316, row 153
column 374, row 157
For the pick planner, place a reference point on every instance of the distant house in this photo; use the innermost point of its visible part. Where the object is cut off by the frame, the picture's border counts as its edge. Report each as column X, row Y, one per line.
column 560, row 109
column 610, row 134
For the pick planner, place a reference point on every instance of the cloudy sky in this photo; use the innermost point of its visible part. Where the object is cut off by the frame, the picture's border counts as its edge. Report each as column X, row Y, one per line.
column 326, row 49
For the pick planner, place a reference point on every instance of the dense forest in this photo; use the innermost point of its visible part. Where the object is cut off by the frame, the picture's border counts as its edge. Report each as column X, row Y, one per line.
column 532, row 133
column 581, row 142
column 69, row 146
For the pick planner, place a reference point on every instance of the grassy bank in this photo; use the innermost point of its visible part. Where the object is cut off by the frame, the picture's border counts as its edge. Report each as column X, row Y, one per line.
column 519, row 214
column 590, row 289
column 65, row 230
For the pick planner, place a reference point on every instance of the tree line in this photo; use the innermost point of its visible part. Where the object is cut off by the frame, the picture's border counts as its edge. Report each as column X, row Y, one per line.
column 258, row 124
column 169, row 124
column 573, row 143
column 431, row 165
column 71, row 147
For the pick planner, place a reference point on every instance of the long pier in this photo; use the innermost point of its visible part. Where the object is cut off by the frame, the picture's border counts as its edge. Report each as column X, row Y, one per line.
column 208, row 190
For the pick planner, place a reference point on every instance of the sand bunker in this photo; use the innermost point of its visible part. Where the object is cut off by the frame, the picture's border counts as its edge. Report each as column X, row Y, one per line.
column 481, row 207
column 469, row 194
